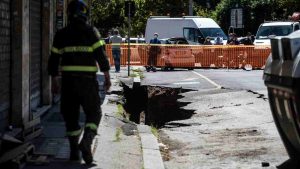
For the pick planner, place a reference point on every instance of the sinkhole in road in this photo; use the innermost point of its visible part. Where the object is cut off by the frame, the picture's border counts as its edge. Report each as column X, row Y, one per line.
column 156, row 105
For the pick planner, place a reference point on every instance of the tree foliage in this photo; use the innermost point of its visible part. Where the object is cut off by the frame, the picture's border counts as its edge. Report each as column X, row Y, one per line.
column 109, row 14
column 255, row 12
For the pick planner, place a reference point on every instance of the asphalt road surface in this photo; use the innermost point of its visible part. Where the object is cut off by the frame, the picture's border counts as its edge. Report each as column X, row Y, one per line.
column 236, row 79
column 207, row 79
column 232, row 125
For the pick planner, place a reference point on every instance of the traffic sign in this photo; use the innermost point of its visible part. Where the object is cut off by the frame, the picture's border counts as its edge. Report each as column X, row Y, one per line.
column 236, row 18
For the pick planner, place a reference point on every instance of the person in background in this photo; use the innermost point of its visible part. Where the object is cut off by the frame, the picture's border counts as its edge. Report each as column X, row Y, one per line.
column 153, row 53
column 107, row 38
column 207, row 41
column 218, row 40
column 230, row 38
column 248, row 40
column 234, row 40
column 116, row 41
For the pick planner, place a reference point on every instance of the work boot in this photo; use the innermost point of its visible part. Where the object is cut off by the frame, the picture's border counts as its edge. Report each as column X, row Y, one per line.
column 86, row 145
column 74, row 148
column 148, row 68
column 153, row 68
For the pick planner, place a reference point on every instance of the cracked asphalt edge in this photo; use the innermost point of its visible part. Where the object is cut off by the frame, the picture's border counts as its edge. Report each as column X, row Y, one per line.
column 151, row 154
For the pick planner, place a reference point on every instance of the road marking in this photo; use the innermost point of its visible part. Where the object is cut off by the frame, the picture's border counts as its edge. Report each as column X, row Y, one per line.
column 190, row 79
column 186, row 83
column 210, row 81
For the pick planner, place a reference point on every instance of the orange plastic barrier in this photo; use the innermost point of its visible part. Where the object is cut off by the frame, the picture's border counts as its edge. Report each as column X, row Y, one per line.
column 134, row 55
column 178, row 56
column 190, row 56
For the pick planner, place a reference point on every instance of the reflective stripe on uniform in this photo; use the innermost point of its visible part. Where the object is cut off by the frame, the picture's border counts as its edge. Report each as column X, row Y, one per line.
column 74, row 133
column 92, row 126
column 98, row 44
column 80, row 68
column 55, row 50
column 77, row 49
column 71, row 49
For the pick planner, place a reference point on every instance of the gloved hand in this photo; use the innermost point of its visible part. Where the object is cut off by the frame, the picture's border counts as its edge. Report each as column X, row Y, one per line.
column 55, row 87
column 107, row 83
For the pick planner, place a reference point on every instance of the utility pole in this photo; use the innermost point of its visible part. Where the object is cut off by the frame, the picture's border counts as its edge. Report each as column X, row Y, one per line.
column 129, row 27
column 191, row 7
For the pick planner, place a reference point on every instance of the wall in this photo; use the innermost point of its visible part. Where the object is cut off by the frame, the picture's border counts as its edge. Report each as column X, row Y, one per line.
column 5, row 62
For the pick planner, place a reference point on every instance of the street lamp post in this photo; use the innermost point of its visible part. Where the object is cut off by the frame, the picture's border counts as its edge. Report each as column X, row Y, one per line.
column 190, row 7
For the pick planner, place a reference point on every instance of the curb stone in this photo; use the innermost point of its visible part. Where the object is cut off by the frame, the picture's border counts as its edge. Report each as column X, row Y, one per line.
column 151, row 153
column 152, row 158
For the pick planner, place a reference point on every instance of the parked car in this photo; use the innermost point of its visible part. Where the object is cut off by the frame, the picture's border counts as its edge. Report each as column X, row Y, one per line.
column 243, row 39
column 174, row 40
column 174, row 56
column 134, row 40
column 268, row 30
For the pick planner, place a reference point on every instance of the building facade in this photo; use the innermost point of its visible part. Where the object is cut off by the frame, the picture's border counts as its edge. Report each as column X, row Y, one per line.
column 5, row 63
column 26, row 32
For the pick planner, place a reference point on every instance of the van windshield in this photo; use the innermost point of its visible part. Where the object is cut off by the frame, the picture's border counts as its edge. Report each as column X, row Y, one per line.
column 212, row 32
column 279, row 30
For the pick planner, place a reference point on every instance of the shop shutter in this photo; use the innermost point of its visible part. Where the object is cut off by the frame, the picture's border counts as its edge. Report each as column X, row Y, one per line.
column 5, row 63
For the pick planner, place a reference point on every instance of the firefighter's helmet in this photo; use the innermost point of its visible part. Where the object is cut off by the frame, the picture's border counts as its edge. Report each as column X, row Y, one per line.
column 78, row 9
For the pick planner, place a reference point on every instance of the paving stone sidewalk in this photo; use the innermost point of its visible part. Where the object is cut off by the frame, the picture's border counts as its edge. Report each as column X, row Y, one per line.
column 117, row 144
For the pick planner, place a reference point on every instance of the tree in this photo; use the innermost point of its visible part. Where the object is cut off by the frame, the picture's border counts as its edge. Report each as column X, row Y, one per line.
column 108, row 14
column 255, row 12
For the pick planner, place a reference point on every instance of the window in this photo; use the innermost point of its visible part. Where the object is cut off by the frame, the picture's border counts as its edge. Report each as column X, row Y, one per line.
column 278, row 30
column 213, row 32
column 191, row 34
column 296, row 27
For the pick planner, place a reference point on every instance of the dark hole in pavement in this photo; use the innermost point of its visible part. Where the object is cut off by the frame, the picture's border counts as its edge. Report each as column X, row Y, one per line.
column 175, row 124
column 160, row 104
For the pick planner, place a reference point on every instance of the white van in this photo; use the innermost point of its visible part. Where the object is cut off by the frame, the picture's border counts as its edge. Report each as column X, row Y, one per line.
column 271, row 29
column 194, row 29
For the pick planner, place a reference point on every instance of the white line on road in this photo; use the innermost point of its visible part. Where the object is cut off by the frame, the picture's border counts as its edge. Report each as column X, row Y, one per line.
column 186, row 83
column 206, row 78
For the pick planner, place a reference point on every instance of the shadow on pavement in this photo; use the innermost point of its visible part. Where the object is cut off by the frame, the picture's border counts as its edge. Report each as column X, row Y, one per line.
column 62, row 165
column 289, row 164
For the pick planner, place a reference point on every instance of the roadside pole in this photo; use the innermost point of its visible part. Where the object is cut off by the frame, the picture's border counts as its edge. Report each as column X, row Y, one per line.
column 191, row 8
column 129, row 27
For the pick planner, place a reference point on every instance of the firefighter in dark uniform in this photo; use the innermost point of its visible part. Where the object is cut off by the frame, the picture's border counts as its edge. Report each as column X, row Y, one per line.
column 77, row 48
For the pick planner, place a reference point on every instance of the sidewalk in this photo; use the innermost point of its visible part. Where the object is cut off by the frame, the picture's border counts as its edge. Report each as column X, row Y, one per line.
column 117, row 145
